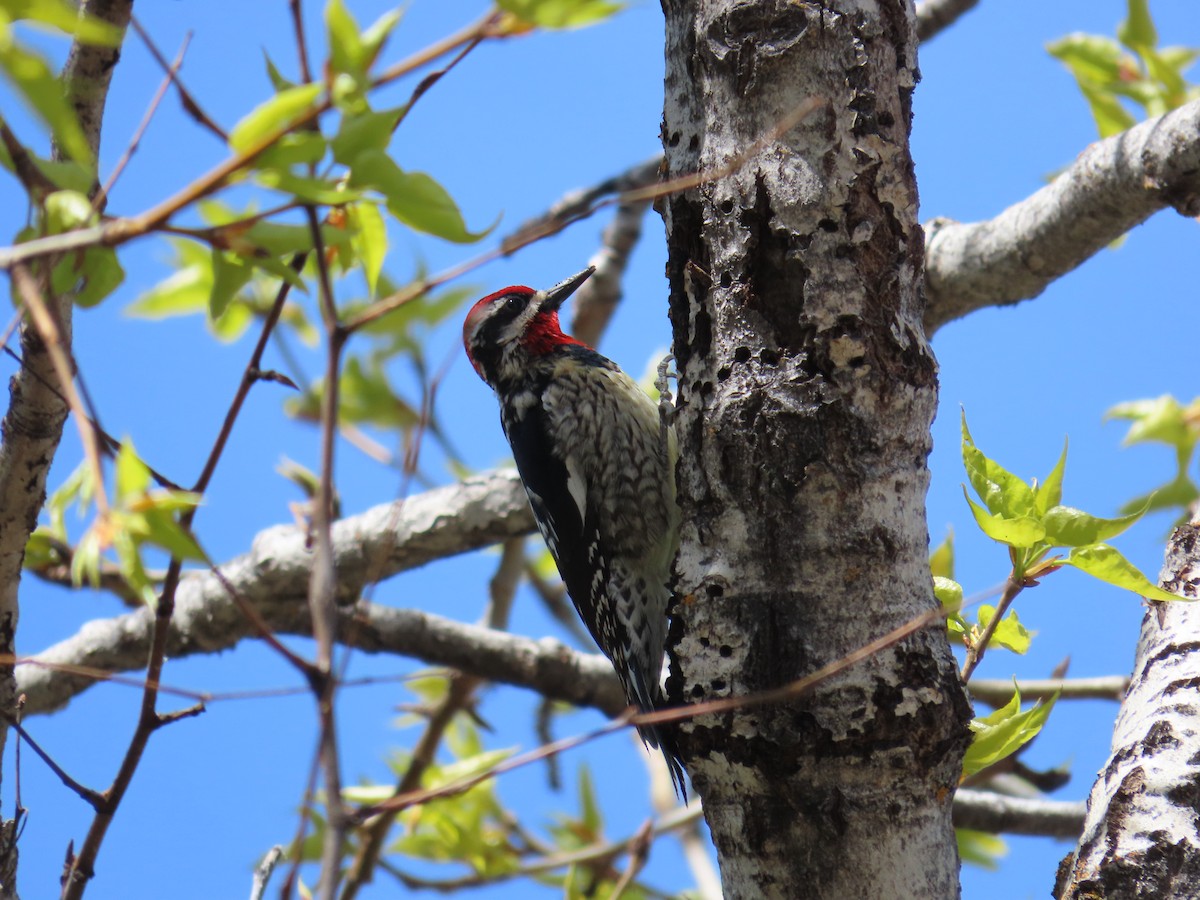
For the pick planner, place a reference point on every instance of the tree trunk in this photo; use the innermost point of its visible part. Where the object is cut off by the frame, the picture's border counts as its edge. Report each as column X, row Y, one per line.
column 1140, row 837
column 33, row 424
column 806, row 393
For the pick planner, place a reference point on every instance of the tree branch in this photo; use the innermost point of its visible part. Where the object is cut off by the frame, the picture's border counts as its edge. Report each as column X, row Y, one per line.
column 996, row 813
column 273, row 577
column 32, row 426
column 997, row 691
column 1114, row 185
column 935, row 16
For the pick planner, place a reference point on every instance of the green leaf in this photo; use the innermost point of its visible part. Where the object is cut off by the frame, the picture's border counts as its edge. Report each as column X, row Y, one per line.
column 67, row 18
column 102, row 274
column 949, row 593
column 68, row 210
column 306, row 479
column 1019, row 532
column 359, row 132
column 1107, row 564
column 275, row 115
column 560, row 13
column 158, row 527
column 413, row 197
column 41, row 90
column 233, row 322
column 1111, row 117
column 1172, row 81
column 1004, row 732
column 1179, row 493
column 230, row 274
column 42, row 550
column 941, row 560
column 186, row 291
column 1049, row 492
column 1009, row 634
column 85, row 560
column 1159, row 420
column 132, row 476
column 1070, row 527
column 65, row 174
column 310, row 190
column 345, row 45
column 980, row 848
column 1001, row 491
column 589, row 810
column 1138, row 31
column 368, row 240
column 377, row 34
column 300, row 148
column 278, row 82
column 1089, row 57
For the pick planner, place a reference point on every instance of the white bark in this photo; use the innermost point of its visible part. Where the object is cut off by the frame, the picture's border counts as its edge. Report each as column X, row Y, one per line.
column 806, row 394
column 273, row 577
column 1141, row 837
column 1114, row 185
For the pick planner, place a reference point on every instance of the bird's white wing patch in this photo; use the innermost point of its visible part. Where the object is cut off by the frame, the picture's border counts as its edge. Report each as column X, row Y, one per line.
column 577, row 487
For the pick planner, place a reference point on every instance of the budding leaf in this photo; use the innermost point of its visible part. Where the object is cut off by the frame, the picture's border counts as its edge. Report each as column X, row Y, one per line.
column 1009, row 634
column 1070, row 527
column 284, row 109
column 1019, row 532
column 1106, row 563
column 1004, row 732
column 1001, row 491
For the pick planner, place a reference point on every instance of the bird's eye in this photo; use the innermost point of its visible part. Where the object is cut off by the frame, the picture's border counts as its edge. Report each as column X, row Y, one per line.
column 513, row 302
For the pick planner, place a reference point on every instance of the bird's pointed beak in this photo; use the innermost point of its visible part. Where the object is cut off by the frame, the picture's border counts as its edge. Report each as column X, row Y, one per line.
column 557, row 295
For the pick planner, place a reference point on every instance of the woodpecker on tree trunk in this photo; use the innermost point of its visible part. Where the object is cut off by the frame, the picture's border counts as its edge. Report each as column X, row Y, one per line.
column 589, row 446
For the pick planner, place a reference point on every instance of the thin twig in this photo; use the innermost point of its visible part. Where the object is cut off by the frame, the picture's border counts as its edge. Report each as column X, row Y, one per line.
column 532, row 234
column 92, row 798
column 979, row 645
column 262, row 873
column 109, row 445
column 322, row 594
column 80, row 871
column 461, row 692
column 185, row 97
column 101, row 199
column 294, row 6
column 639, row 852
column 47, row 328
column 36, row 184
column 119, row 231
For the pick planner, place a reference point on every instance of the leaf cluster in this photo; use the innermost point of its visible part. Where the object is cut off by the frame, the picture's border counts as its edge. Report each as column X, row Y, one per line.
column 1130, row 72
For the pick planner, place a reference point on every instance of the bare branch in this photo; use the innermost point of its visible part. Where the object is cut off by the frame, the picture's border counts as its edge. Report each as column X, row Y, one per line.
column 597, row 298
column 1114, row 185
column 262, row 874
column 935, row 16
column 998, row 691
column 987, row 811
column 273, row 577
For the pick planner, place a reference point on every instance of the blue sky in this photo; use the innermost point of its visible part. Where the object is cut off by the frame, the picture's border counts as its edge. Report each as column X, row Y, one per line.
column 517, row 125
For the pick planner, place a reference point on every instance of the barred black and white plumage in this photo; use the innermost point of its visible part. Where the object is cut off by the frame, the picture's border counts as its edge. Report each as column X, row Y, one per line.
column 588, row 444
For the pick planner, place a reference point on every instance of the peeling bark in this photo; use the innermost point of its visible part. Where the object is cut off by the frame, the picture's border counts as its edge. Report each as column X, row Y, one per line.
column 1140, row 838
column 806, row 393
